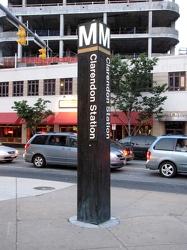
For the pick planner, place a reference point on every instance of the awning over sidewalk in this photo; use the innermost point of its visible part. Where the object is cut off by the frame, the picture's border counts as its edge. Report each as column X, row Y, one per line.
column 69, row 118
column 48, row 120
column 10, row 118
column 66, row 118
column 13, row 118
column 119, row 118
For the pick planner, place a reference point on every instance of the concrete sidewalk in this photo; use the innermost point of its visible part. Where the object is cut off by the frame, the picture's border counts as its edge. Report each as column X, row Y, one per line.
column 34, row 215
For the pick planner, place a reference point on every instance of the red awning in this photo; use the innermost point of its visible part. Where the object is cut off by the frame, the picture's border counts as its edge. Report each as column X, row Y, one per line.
column 48, row 120
column 10, row 118
column 66, row 118
column 13, row 118
column 69, row 118
column 119, row 118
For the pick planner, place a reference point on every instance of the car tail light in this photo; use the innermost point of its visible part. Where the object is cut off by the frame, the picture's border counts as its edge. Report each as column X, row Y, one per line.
column 27, row 145
column 126, row 152
column 148, row 155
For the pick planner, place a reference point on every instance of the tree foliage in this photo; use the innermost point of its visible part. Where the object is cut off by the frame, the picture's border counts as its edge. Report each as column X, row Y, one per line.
column 133, row 90
column 32, row 115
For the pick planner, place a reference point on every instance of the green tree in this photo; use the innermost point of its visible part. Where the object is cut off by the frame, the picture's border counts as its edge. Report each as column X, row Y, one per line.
column 32, row 115
column 133, row 90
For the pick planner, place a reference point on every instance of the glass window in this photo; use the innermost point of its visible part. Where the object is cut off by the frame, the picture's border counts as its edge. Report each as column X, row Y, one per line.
column 68, row 128
column 73, row 142
column 150, row 140
column 18, row 88
column 57, row 140
column 177, row 81
column 66, row 86
column 165, row 144
column 138, row 140
column 33, row 87
column 40, row 139
column 181, row 145
column 4, row 89
column 10, row 133
column 49, row 87
column 126, row 141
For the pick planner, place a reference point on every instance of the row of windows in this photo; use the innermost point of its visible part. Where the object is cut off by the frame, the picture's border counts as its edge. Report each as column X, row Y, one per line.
column 177, row 82
column 33, row 87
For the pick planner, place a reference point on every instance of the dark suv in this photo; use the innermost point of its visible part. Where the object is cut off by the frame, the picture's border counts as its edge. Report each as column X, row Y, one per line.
column 139, row 143
column 168, row 154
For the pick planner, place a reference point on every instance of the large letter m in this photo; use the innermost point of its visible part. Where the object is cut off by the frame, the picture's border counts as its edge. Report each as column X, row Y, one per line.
column 104, row 36
column 91, row 38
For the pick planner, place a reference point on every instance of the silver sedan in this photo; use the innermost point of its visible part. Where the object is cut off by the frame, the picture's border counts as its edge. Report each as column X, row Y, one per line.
column 7, row 153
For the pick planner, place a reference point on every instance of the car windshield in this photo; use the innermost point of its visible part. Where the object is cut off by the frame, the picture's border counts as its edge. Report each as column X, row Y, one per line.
column 126, row 141
column 115, row 143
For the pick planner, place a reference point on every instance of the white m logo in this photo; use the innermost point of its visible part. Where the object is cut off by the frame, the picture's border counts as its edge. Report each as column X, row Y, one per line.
column 87, row 39
column 104, row 36
column 94, row 33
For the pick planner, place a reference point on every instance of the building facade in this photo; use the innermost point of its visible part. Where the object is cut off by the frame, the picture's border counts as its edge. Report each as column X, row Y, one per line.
column 136, row 27
column 172, row 70
column 58, row 84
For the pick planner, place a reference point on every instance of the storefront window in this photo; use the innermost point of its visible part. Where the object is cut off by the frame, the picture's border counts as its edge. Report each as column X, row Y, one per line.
column 175, row 127
column 10, row 134
column 44, row 129
column 68, row 129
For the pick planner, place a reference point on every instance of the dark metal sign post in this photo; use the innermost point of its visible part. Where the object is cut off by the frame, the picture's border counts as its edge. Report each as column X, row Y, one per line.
column 93, row 123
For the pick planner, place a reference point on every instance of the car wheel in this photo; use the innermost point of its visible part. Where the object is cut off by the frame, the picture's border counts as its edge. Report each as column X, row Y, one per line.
column 39, row 161
column 168, row 169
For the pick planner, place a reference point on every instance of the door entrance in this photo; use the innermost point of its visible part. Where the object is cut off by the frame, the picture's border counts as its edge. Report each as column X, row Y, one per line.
column 174, row 128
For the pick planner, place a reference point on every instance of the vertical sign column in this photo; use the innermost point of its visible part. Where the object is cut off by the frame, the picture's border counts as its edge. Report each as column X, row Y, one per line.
column 93, row 123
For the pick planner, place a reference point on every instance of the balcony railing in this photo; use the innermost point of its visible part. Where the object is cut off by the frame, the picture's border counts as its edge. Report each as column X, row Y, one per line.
column 35, row 61
column 119, row 30
column 85, row 3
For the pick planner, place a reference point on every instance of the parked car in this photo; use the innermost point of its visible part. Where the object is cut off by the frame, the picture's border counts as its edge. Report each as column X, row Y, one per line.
column 7, row 154
column 139, row 143
column 127, row 150
column 168, row 154
column 61, row 149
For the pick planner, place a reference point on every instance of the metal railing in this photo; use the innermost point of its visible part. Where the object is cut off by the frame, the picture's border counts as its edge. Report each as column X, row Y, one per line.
column 119, row 30
column 35, row 61
column 85, row 3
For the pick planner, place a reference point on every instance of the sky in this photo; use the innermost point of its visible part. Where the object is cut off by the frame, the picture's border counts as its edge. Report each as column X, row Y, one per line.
column 180, row 24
